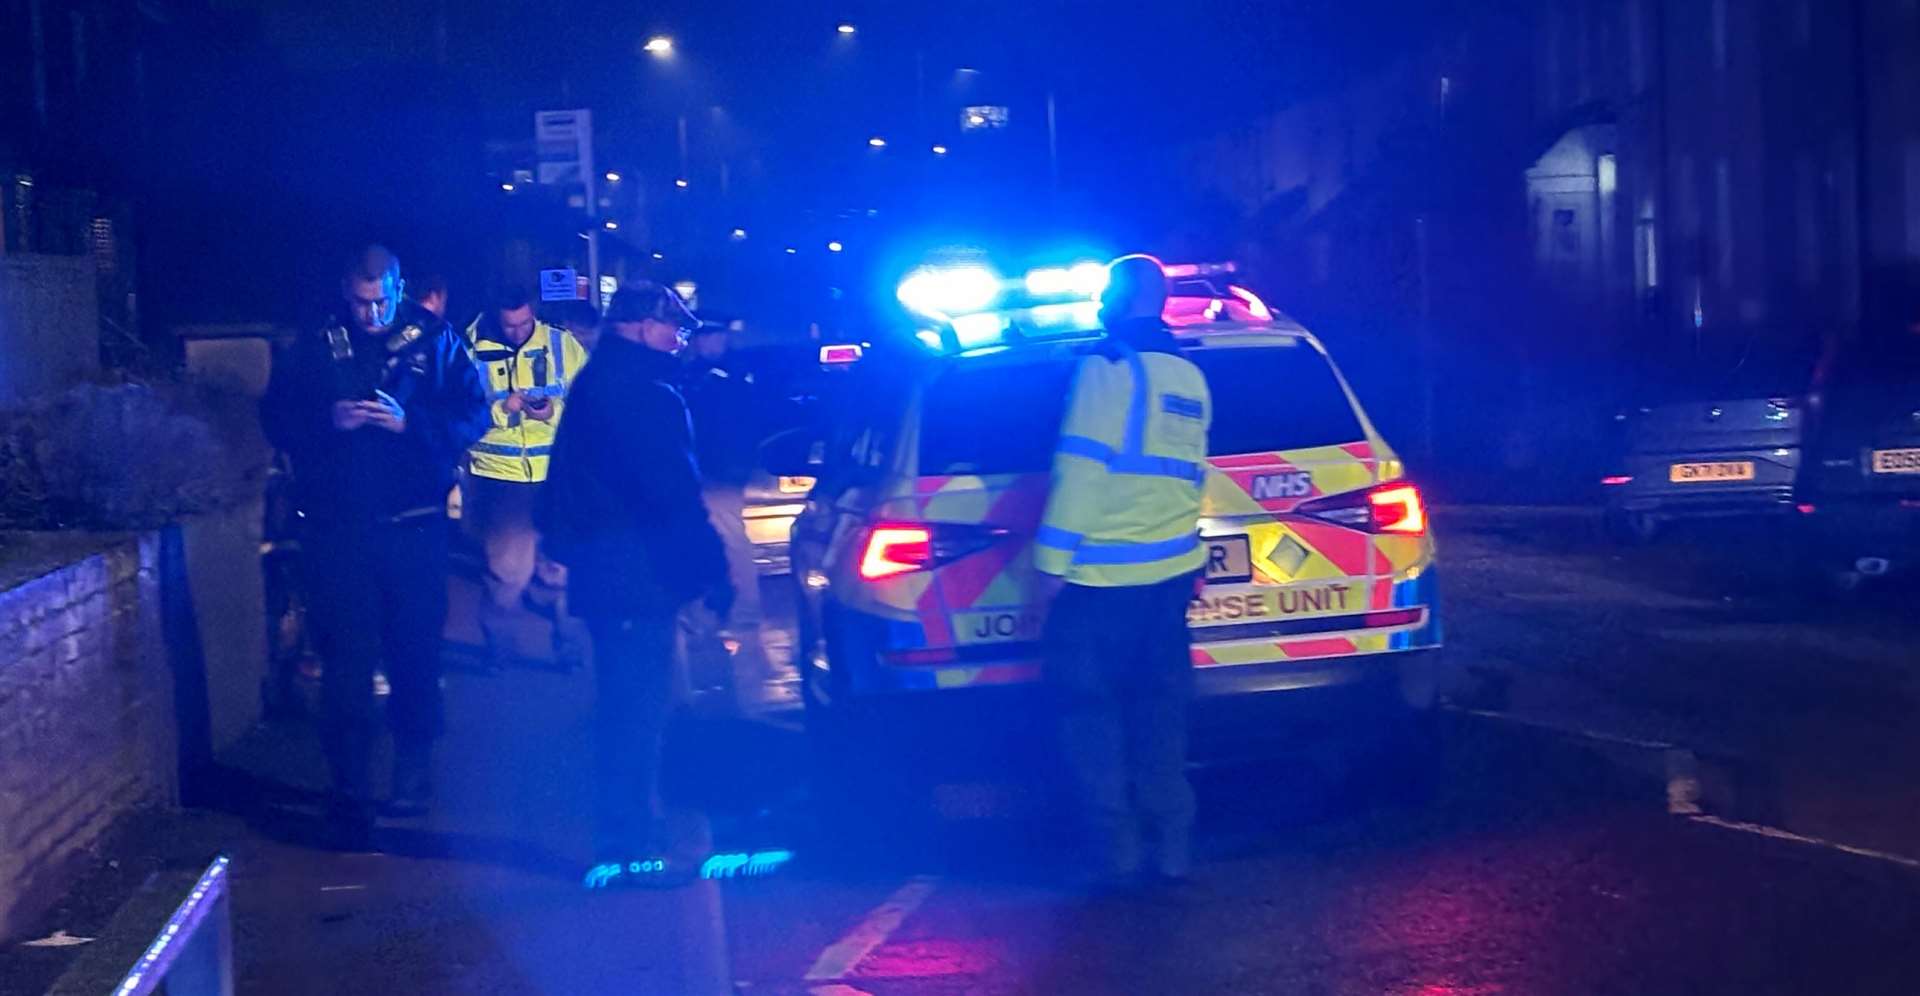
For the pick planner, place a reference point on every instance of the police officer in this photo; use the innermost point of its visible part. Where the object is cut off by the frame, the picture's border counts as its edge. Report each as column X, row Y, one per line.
column 622, row 510
column 375, row 411
column 1120, row 556
column 528, row 365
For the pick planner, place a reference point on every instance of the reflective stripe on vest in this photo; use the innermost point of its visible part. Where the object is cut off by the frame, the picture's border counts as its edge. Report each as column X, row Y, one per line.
column 1141, row 464
column 502, row 449
column 1104, row 552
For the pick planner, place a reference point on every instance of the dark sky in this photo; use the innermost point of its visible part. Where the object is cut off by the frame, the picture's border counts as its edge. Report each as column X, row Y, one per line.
column 295, row 127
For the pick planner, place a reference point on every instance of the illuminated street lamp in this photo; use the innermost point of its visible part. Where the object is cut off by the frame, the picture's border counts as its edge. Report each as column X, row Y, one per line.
column 610, row 225
column 508, row 187
column 877, row 142
column 680, row 182
column 790, row 250
column 834, row 246
column 613, row 176
column 845, row 28
column 739, row 235
column 939, row 150
column 659, row 255
column 659, row 46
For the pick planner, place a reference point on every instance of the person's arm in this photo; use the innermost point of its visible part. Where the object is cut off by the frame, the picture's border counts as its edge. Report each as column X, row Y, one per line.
column 666, row 479
column 444, row 421
column 1079, row 467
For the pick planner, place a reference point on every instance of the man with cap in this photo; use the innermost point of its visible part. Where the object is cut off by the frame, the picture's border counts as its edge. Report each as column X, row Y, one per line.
column 1119, row 555
column 622, row 510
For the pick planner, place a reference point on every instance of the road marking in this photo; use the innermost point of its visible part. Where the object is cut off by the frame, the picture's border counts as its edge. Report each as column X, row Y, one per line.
column 844, row 955
column 836, row 989
column 342, row 888
column 1762, row 830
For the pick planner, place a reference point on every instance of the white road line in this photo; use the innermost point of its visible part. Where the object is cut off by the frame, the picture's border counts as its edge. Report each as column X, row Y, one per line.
column 844, row 955
column 1762, row 830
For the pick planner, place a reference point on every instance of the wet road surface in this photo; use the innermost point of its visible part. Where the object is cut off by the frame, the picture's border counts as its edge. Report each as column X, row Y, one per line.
column 1678, row 775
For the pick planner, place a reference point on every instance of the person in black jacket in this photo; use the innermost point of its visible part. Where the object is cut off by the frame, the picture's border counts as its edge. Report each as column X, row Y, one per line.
column 622, row 511
column 374, row 412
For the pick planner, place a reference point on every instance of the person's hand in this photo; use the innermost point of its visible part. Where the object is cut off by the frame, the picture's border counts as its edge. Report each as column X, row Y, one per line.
column 514, row 403
column 386, row 413
column 349, row 415
column 540, row 411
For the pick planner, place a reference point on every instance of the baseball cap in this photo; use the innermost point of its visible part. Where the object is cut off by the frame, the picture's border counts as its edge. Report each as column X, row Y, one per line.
column 641, row 301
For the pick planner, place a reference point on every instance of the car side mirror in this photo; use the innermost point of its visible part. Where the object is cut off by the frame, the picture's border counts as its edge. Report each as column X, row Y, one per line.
column 793, row 453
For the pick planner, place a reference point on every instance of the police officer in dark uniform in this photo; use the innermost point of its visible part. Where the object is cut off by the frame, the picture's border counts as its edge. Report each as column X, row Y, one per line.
column 375, row 412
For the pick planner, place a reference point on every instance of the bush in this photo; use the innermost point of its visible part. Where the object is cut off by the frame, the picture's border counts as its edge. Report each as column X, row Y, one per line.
column 127, row 456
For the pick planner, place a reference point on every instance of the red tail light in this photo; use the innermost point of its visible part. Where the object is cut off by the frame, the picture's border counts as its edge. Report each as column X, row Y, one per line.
column 893, row 549
column 1390, row 508
column 903, row 547
column 1398, row 509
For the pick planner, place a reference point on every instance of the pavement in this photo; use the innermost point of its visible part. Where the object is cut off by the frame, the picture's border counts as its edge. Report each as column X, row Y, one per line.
column 1678, row 773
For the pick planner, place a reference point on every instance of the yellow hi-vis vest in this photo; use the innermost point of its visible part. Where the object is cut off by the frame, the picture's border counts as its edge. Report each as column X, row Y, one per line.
column 1125, row 504
column 517, row 445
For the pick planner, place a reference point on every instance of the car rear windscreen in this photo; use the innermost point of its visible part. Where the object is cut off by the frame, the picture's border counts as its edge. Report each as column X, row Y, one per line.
column 1004, row 419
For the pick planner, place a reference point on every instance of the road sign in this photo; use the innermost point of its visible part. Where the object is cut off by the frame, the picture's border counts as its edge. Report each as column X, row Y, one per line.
column 563, row 146
column 559, row 285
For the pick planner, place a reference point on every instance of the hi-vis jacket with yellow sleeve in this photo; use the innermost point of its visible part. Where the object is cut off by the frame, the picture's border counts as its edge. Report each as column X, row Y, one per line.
column 1124, row 508
column 516, row 445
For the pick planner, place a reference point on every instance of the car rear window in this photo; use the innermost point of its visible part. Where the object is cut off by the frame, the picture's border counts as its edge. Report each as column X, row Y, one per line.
column 995, row 419
column 1004, row 419
column 1269, row 398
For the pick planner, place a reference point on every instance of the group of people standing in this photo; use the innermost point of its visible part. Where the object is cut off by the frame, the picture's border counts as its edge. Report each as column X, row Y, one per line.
column 577, row 472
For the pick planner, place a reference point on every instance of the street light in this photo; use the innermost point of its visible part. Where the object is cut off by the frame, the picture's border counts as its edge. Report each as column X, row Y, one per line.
column 613, row 176
column 939, row 150
column 610, row 225
column 845, row 28
column 877, row 142
column 834, row 246
column 508, row 187
column 680, row 182
column 657, row 254
column 739, row 235
column 659, row 46
column 790, row 250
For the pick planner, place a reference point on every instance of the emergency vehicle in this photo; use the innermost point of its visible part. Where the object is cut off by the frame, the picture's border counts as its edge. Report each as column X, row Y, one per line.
column 913, row 556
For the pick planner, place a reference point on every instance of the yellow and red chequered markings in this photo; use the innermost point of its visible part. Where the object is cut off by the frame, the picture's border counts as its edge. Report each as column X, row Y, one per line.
column 1296, row 649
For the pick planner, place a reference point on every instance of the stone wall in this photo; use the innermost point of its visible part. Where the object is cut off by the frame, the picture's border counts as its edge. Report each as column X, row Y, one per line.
column 87, row 712
column 49, row 324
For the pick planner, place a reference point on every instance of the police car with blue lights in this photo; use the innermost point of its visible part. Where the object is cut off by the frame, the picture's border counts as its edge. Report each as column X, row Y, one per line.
column 913, row 555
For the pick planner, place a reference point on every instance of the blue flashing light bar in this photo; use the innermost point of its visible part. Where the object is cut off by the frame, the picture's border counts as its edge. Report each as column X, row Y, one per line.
column 1081, row 280
column 950, row 290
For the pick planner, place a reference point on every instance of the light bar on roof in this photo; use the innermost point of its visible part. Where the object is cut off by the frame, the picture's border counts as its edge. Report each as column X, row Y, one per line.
column 952, row 290
column 1084, row 280
column 835, row 355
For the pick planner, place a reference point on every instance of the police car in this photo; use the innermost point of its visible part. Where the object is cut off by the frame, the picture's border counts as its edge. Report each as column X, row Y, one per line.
column 913, row 556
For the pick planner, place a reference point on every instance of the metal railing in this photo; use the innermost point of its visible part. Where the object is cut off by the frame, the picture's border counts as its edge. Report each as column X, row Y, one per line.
column 193, row 953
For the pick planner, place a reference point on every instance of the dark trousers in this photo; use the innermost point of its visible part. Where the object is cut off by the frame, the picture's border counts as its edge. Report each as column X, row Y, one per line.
column 377, row 596
column 637, row 683
column 1118, row 663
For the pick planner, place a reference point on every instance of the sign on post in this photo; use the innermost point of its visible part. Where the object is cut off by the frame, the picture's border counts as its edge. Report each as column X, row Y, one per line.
column 559, row 285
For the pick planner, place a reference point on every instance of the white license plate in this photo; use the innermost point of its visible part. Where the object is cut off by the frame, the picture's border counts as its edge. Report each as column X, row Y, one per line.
column 1707, row 473
column 1896, row 461
column 1229, row 558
